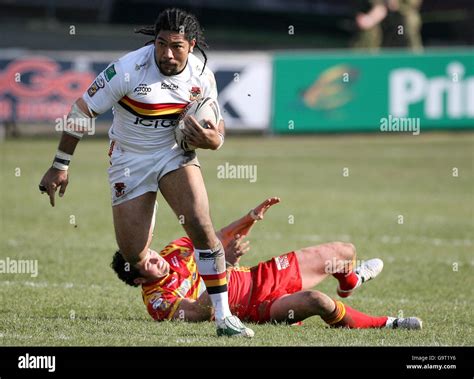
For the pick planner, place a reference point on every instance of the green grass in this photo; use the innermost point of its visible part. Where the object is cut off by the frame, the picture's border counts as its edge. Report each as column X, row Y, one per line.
column 77, row 300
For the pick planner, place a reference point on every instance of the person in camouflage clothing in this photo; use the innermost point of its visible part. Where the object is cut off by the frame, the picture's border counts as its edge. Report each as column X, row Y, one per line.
column 388, row 23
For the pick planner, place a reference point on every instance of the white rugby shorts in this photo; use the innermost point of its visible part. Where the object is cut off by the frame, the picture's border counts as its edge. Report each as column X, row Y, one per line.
column 132, row 174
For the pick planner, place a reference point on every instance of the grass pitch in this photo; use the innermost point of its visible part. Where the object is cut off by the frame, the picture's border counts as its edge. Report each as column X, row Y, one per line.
column 405, row 199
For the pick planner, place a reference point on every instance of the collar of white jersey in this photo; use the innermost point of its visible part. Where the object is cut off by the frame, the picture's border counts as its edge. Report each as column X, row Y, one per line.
column 184, row 75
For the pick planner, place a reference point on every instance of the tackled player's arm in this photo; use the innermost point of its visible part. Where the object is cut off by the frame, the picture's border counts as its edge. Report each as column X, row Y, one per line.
column 243, row 225
column 194, row 310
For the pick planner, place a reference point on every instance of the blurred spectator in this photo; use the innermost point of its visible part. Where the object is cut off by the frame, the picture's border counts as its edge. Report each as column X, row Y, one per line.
column 402, row 26
column 369, row 16
column 388, row 23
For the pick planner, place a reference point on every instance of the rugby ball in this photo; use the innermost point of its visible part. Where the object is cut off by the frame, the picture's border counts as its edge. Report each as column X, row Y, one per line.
column 201, row 110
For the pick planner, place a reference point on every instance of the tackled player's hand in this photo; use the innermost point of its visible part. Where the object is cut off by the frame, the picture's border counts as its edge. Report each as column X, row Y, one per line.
column 235, row 249
column 259, row 211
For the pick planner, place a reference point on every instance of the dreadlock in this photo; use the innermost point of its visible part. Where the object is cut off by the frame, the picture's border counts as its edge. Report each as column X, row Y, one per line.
column 178, row 20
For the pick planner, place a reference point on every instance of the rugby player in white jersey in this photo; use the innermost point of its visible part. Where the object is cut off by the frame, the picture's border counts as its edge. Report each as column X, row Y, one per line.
column 148, row 89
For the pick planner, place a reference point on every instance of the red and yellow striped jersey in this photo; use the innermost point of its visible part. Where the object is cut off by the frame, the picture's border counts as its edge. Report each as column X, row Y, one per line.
column 163, row 296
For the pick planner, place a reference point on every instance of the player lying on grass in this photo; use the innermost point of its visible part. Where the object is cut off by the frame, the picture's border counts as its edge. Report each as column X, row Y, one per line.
column 278, row 290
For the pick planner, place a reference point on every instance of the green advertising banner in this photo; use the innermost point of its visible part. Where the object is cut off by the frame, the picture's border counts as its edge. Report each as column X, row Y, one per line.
column 373, row 92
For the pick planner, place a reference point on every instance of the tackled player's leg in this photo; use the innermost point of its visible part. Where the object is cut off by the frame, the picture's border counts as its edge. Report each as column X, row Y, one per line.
column 303, row 304
column 336, row 259
column 185, row 192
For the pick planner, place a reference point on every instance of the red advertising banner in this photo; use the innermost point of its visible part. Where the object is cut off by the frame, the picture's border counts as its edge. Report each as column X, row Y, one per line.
column 39, row 88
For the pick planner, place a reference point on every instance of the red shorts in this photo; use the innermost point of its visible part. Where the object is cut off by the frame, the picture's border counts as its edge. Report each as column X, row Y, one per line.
column 252, row 292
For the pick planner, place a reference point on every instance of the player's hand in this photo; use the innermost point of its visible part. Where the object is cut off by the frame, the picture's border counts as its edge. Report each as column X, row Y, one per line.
column 259, row 211
column 52, row 180
column 203, row 138
column 235, row 249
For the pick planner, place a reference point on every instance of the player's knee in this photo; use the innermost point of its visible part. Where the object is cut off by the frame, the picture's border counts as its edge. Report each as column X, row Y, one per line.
column 313, row 298
column 133, row 254
column 345, row 251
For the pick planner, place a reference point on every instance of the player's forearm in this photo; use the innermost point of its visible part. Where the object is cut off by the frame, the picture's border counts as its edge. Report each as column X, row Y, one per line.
column 68, row 143
column 79, row 118
column 219, row 141
column 221, row 127
column 241, row 226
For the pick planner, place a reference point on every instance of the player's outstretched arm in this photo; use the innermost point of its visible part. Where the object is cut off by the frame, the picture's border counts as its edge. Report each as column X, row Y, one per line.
column 243, row 225
column 194, row 310
column 57, row 175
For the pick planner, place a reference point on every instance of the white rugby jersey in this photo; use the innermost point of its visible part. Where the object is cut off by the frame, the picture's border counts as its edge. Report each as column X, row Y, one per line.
column 146, row 103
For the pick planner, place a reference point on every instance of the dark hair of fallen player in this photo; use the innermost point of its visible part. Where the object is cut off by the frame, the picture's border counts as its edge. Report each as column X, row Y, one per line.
column 125, row 271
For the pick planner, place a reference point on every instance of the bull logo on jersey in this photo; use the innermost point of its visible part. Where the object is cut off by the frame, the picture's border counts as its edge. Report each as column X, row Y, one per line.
column 194, row 93
column 119, row 189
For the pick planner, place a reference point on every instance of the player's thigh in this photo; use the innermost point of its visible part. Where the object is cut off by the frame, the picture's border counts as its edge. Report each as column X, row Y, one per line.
column 133, row 221
column 185, row 192
column 316, row 262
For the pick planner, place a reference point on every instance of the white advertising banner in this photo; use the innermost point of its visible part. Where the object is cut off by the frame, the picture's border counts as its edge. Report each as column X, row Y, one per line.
column 244, row 82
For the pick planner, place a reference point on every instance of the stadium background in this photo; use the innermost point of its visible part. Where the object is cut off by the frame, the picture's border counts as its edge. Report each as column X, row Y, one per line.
column 303, row 109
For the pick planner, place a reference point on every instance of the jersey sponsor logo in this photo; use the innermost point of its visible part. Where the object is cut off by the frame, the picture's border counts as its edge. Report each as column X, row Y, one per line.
column 170, row 86
column 100, row 81
column 157, row 302
column 92, row 90
column 110, row 72
column 211, row 256
column 155, row 123
column 184, row 288
column 194, row 93
column 171, row 282
column 97, row 85
column 172, row 248
column 282, row 262
column 138, row 67
column 142, row 89
column 174, row 261
column 119, row 189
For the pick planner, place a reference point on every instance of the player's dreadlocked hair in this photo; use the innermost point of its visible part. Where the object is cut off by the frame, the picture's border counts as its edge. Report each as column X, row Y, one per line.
column 178, row 20
column 125, row 271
